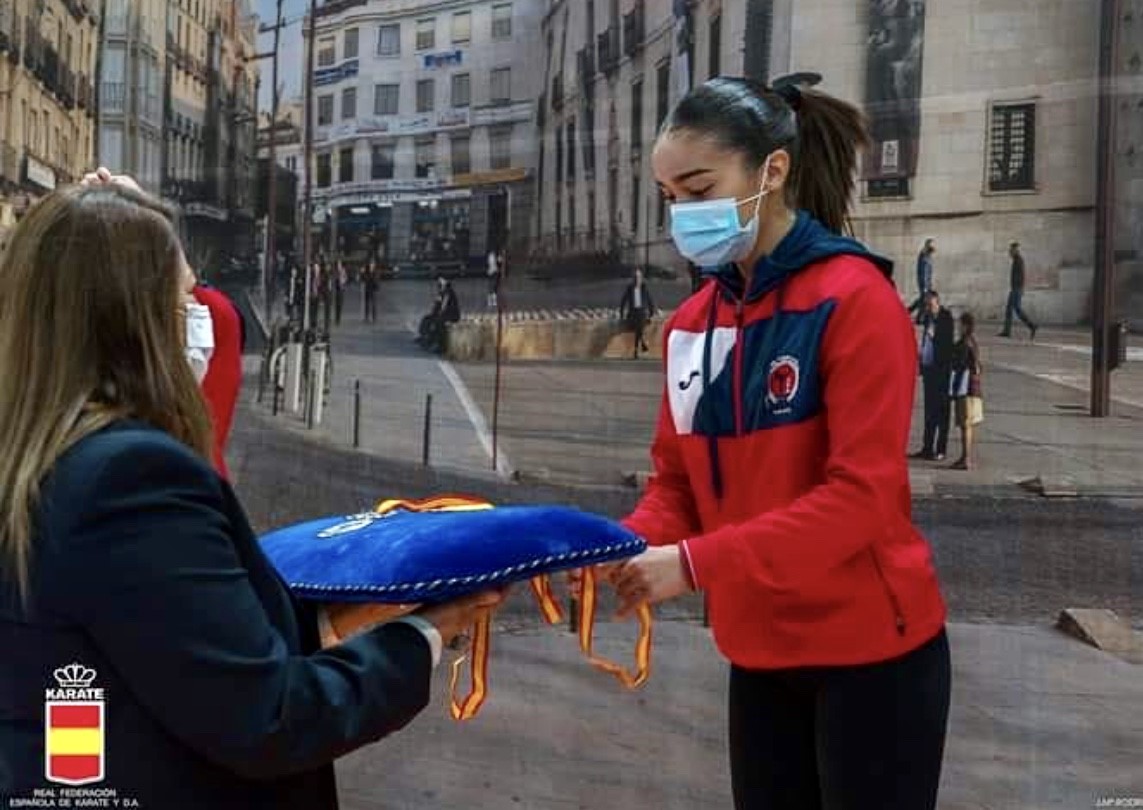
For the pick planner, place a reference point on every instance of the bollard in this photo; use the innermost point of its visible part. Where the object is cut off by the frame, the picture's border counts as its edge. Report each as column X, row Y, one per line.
column 357, row 413
column 705, row 611
column 573, row 615
column 277, row 396
column 427, row 434
column 310, row 401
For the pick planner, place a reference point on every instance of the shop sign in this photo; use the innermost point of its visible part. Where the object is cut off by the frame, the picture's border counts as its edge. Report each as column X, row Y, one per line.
column 43, row 176
column 446, row 59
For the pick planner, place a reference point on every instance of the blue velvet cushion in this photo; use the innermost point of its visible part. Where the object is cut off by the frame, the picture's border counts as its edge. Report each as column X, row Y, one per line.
column 405, row 556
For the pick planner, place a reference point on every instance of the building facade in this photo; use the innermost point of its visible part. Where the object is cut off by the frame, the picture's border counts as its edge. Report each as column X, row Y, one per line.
column 423, row 129
column 983, row 114
column 210, row 125
column 131, row 89
column 48, row 53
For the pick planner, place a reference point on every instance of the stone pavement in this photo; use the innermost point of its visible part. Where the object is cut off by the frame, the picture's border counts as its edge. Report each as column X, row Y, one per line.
column 1038, row 720
column 590, row 422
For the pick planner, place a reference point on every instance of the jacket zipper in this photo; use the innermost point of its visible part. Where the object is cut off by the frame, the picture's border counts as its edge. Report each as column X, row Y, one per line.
column 894, row 603
column 738, row 428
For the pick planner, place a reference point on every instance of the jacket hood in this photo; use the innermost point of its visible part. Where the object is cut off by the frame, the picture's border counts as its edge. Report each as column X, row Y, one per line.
column 807, row 243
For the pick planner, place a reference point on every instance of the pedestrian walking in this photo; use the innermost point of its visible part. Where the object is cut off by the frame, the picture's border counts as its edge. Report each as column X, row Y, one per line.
column 369, row 281
column 493, row 274
column 1015, row 305
column 781, row 488
column 966, row 389
column 636, row 308
column 924, row 277
column 340, row 281
column 937, row 338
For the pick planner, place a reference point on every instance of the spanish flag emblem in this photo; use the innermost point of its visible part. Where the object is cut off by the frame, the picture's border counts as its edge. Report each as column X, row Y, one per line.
column 74, row 744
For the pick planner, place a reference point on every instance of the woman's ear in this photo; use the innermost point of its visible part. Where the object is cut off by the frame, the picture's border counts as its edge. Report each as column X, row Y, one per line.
column 777, row 170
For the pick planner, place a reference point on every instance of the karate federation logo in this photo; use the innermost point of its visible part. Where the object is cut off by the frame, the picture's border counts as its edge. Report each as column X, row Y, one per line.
column 74, row 728
column 782, row 383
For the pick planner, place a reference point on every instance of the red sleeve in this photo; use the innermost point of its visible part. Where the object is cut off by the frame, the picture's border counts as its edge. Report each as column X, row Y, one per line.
column 666, row 513
column 868, row 365
column 224, row 374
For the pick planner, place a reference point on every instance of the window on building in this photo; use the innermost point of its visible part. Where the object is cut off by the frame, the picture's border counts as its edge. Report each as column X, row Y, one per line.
column 327, row 52
column 589, row 139
column 461, row 154
column 591, row 213
column 662, row 91
column 637, row 114
column 636, row 203
column 1012, row 148
column 462, row 26
column 426, row 154
column 502, row 21
column 571, row 151
column 501, row 85
column 349, row 47
column 426, row 34
column 461, row 90
column 348, row 103
column 571, row 215
column 386, row 99
column 383, row 163
column 425, row 91
column 500, row 147
column 559, row 157
column 714, row 39
column 324, row 170
column 389, row 40
column 325, row 110
column 345, row 165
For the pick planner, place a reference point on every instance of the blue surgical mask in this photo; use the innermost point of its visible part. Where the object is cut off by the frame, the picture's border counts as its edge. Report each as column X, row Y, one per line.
column 709, row 233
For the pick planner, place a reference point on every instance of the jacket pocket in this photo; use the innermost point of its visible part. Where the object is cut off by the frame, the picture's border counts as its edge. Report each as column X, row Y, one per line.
column 894, row 602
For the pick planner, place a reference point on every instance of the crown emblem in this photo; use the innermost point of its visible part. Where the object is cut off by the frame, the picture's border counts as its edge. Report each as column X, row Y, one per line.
column 74, row 676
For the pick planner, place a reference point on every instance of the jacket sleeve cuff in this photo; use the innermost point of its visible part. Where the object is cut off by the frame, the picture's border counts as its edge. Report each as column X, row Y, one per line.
column 702, row 553
column 429, row 631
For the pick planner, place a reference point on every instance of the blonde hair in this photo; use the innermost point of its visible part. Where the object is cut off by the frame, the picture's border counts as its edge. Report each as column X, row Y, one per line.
column 89, row 334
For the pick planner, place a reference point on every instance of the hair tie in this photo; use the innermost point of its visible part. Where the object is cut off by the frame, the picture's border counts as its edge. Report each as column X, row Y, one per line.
column 791, row 94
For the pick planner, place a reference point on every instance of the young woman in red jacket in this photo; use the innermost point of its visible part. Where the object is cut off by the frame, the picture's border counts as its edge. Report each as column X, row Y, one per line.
column 781, row 486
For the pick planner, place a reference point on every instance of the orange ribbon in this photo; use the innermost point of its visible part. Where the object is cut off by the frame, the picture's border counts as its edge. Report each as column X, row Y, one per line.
column 477, row 658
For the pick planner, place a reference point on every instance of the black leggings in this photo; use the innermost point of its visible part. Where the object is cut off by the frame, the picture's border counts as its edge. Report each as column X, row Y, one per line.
column 841, row 738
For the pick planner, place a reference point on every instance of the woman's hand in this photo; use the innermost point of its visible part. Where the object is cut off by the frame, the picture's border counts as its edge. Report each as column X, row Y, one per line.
column 453, row 619
column 103, row 176
column 654, row 576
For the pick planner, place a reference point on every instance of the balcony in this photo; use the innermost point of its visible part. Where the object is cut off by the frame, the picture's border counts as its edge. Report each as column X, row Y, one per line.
column 634, row 29
column 607, row 51
column 114, row 97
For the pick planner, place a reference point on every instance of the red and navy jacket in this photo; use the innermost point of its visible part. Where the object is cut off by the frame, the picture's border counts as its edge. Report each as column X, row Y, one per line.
column 224, row 374
column 780, row 459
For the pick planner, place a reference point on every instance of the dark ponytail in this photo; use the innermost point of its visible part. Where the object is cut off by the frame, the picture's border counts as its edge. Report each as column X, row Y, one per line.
column 830, row 134
column 823, row 135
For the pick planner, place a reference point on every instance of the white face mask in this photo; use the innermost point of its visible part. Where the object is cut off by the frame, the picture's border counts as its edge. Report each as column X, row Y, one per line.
column 200, row 339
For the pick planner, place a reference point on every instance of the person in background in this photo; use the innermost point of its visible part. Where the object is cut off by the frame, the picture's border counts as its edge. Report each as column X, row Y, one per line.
column 123, row 551
column 924, row 277
column 937, row 338
column 780, row 485
column 1015, row 304
column 432, row 333
column 339, row 283
column 635, row 309
column 369, row 289
column 222, row 379
column 966, row 389
column 493, row 274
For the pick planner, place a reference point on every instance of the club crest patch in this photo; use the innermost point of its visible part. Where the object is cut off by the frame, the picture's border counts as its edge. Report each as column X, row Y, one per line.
column 783, row 380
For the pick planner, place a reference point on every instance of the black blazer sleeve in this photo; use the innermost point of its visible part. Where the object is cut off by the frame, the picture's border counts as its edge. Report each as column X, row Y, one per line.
column 152, row 574
column 625, row 301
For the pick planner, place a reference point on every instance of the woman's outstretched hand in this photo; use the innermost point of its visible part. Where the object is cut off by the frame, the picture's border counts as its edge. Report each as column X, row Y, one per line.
column 654, row 576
